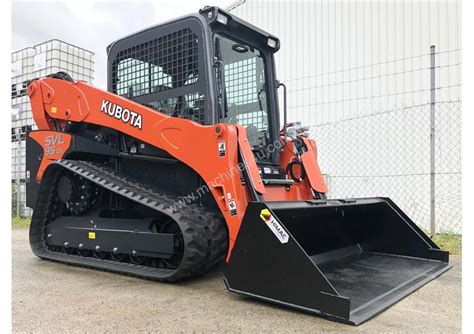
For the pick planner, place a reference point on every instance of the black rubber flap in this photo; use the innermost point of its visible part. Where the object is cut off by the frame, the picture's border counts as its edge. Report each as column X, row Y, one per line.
column 343, row 259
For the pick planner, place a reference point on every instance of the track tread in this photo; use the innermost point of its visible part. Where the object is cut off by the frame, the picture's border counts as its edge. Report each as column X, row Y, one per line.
column 204, row 232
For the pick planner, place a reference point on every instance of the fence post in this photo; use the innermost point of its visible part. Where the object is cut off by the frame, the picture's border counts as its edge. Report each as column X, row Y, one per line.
column 432, row 142
column 18, row 172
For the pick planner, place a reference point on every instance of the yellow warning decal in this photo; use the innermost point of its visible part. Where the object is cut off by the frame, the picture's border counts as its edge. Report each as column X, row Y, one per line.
column 265, row 214
column 54, row 110
column 274, row 226
column 91, row 235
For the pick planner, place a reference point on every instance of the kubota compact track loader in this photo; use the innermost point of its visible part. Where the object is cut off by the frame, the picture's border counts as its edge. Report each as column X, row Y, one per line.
column 183, row 163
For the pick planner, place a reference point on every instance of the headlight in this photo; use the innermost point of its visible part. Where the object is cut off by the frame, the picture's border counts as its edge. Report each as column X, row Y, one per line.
column 221, row 18
column 272, row 43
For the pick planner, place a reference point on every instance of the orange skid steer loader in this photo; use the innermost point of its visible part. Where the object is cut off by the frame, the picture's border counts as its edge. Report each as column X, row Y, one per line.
column 183, row 163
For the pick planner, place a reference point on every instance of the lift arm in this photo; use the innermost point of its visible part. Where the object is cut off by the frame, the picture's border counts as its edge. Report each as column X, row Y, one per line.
column 56, row 102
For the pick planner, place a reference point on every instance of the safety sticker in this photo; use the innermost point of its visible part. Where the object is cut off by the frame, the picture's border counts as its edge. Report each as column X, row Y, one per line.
column 232, row 208
column 91, row 235
column 274, row 226
column 221, row 148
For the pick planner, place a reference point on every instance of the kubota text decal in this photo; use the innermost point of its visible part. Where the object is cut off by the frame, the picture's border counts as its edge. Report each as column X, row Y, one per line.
column 124, row 114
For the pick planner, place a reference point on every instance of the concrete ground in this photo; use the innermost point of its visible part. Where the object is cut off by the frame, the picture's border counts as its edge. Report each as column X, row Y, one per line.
column 50, row 297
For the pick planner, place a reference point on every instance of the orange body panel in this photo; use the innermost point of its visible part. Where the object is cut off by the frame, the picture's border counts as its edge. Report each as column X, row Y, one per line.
column 54, row 146
column 57, row 101
column 310, row 164
column 298, row 191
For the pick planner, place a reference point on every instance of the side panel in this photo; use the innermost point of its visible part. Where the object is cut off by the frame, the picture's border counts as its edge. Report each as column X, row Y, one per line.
column 279, row 271
column 54, row 145
column 45, row 147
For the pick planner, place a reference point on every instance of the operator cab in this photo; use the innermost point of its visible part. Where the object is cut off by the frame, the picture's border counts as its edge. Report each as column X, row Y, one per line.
column 210, row 67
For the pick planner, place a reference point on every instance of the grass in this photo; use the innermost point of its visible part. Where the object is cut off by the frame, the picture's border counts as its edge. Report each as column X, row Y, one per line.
column 450, row 242
column 20, row 222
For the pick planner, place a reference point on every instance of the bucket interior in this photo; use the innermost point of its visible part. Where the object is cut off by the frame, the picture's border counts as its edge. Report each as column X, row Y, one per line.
column 366, row 251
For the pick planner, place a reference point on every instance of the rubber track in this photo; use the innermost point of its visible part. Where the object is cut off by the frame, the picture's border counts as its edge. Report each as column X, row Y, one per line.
column 204, row 232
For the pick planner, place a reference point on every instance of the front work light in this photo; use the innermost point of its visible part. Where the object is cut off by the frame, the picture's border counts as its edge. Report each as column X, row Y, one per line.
column 272, row 43
column 221, row 18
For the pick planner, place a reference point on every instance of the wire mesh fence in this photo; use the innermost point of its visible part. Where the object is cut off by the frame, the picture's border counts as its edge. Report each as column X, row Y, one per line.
column 388, row 154
column 37, row 61
column 387, row 151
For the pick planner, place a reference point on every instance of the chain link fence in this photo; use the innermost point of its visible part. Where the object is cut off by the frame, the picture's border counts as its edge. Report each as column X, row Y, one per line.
column 390, row 152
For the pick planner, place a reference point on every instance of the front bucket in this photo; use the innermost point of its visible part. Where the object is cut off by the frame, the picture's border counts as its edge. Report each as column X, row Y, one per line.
column 343, row 259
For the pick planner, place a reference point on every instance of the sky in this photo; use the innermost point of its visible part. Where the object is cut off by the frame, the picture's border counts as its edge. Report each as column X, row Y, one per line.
column 93, row 25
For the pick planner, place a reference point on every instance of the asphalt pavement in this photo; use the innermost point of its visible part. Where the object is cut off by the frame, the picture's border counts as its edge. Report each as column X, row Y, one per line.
column 51, row 297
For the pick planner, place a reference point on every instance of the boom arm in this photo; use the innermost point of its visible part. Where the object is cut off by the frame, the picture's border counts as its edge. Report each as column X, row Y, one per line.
column 55, row 102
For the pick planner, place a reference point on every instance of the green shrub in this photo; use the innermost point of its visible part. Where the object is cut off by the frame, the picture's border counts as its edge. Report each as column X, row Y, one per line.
column 450, row 242
column 19, row 222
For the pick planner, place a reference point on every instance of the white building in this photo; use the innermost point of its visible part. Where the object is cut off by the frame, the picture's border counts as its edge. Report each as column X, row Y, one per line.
column 35, row 62
column 359, row 74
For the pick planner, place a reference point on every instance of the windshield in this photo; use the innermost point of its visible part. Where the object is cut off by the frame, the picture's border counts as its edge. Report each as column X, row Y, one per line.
column 243, row 96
